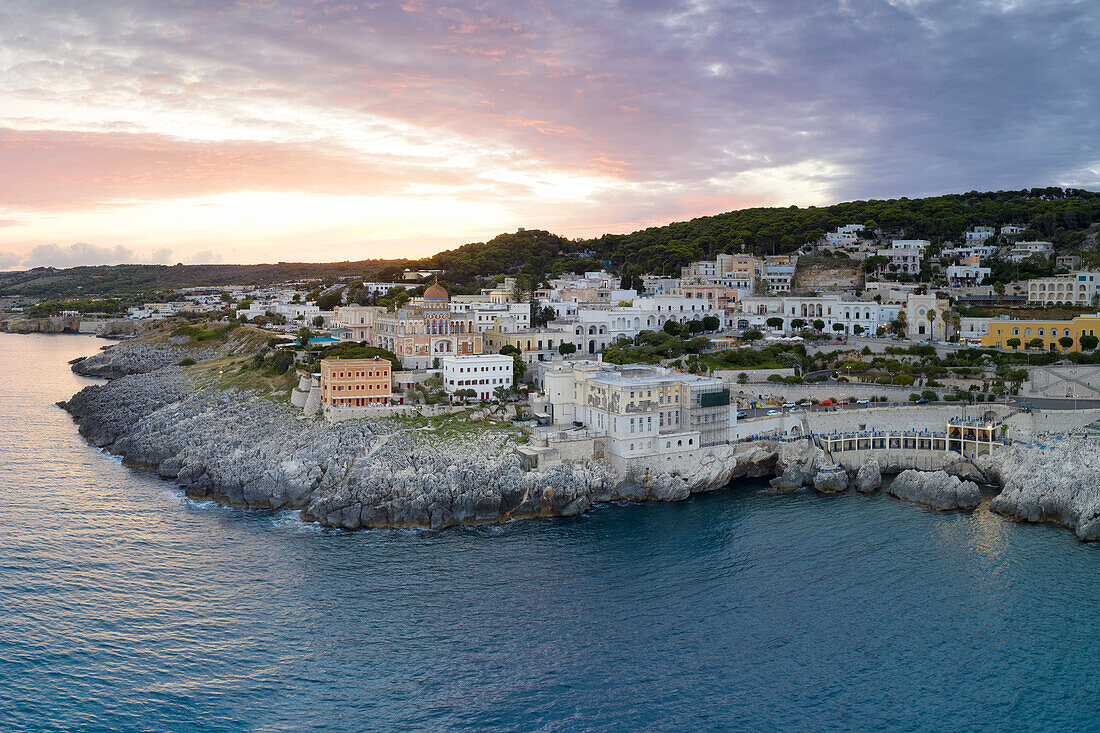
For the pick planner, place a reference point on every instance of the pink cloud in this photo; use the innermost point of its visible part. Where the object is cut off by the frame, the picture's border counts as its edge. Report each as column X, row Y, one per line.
column 46, row 169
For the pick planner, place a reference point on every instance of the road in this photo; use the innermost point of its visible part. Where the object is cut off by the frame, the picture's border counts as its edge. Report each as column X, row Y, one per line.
column 1038, row 403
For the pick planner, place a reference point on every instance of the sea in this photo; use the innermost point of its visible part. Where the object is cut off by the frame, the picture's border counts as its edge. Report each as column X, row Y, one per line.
column 125, row 606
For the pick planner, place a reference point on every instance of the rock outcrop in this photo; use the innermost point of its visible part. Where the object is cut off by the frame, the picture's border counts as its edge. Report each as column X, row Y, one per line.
column 1059, row 483
column 936, row 489
column 868, row 478
column 831, row 479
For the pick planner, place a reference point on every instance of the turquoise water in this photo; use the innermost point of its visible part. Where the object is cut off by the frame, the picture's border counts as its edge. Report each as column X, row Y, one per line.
column 128, row 607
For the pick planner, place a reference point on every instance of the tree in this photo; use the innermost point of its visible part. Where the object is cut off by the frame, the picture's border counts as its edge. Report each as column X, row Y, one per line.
column 929, row 395
column 797, row 323
column 671, row 327
column 304, row 335
column 1065, row 342
column 775, row 323
column 819, row 325
column 695, row 326
column 318, row 321
column 565, row 348
column 743, row 378
column 1014, row 343
column 838, row 327
column 509, row 349
column 1035, row 343
column 752, row 335
column 518, row 368
column 711, row 323
column 328, row 301
column 1089, row 342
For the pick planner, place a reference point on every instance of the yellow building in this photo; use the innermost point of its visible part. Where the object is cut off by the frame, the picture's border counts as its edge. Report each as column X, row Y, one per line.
column 355, row 382
column 1000, row 331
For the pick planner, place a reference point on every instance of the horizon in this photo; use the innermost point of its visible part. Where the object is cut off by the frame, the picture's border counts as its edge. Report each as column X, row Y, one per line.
column 272, row 131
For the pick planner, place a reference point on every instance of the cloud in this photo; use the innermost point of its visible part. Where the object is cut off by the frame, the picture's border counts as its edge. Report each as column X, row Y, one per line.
column 9, row 260
column 647, row 110
column 79, row 253
column 205, row 257
column 161, row 256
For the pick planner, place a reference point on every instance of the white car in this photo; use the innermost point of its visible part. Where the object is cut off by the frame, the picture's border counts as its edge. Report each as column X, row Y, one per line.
column 788, row 405
column 774, row 412
column 864, row 401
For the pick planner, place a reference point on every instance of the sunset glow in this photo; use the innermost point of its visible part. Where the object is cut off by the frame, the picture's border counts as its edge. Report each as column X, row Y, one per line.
column 271, row 130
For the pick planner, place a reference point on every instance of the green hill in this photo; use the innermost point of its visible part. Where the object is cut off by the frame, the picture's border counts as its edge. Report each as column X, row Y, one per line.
column 1060, row 215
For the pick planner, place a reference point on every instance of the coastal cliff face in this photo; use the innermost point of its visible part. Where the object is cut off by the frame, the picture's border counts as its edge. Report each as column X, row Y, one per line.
column 1059, row 484
column 53, row 324
column 244, row 449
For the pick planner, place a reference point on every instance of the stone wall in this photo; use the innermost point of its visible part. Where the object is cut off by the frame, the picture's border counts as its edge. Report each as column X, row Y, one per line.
column 1076, row 380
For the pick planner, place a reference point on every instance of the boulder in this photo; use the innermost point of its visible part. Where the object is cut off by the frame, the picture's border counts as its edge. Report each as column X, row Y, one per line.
column 936, row 489
column 831, row 480
column 868, row 478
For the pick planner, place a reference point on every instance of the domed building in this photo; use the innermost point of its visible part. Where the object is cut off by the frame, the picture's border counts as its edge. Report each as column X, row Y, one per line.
column 425, row 329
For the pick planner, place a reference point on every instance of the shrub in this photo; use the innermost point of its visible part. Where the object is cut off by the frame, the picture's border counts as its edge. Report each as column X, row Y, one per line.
column 186, row 361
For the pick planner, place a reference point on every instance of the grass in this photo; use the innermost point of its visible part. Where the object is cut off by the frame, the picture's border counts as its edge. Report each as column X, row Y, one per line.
column 236, row 373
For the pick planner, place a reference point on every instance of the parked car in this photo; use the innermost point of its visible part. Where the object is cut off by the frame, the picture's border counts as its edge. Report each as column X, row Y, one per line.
column 788, row 405
column 742, row 414
column 922, row 401
column 863, row 401
column 826, row 403
column 774, row 412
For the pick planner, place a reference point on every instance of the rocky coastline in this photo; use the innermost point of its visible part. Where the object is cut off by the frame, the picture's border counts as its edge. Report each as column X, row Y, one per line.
column 242, row 449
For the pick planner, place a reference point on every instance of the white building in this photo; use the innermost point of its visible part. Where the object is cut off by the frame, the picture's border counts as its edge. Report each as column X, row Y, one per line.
column 868, row 315
column 981, row 251
column 967, row 274
column 1022, row 250
column 903, row 259
column 972, row 329
column 1078, row 288
column 483, row 373
column 485, row 314
column 977, row 235
column 641, row 413
column 846, row 234
column 1012, row 229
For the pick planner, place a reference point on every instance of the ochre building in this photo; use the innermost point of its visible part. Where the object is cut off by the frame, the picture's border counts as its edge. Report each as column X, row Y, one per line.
column 356, row 382
column 1000, row 331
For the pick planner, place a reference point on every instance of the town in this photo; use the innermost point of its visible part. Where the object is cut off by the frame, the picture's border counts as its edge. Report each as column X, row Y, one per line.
column 634, row 367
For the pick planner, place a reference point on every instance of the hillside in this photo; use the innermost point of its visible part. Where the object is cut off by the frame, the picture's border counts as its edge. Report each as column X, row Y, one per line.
column 1060, row 215
column 117, row 280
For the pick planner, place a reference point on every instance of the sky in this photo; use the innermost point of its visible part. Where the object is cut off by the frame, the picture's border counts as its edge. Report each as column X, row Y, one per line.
column 268, row 130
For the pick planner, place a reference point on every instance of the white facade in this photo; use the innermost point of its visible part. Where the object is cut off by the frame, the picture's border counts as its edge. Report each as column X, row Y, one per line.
column 972, row 329
column 1023, row 250
column 969, row 274
column 485, row 314
column 979, row 234
column 483, row 373
column 1012, row 229
column 1078, row 288
column 903, row 259
column 846, row 234
column 868, row 315
column 643, row 412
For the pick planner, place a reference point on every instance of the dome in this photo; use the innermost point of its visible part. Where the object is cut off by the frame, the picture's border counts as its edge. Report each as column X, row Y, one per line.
column 436, row 291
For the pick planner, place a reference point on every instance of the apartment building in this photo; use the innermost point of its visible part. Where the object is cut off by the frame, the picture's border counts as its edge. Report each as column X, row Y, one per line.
column 642, row 413
column 1078, row 288
column 483, row 373
column 356, row 382
column 1048, row 332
